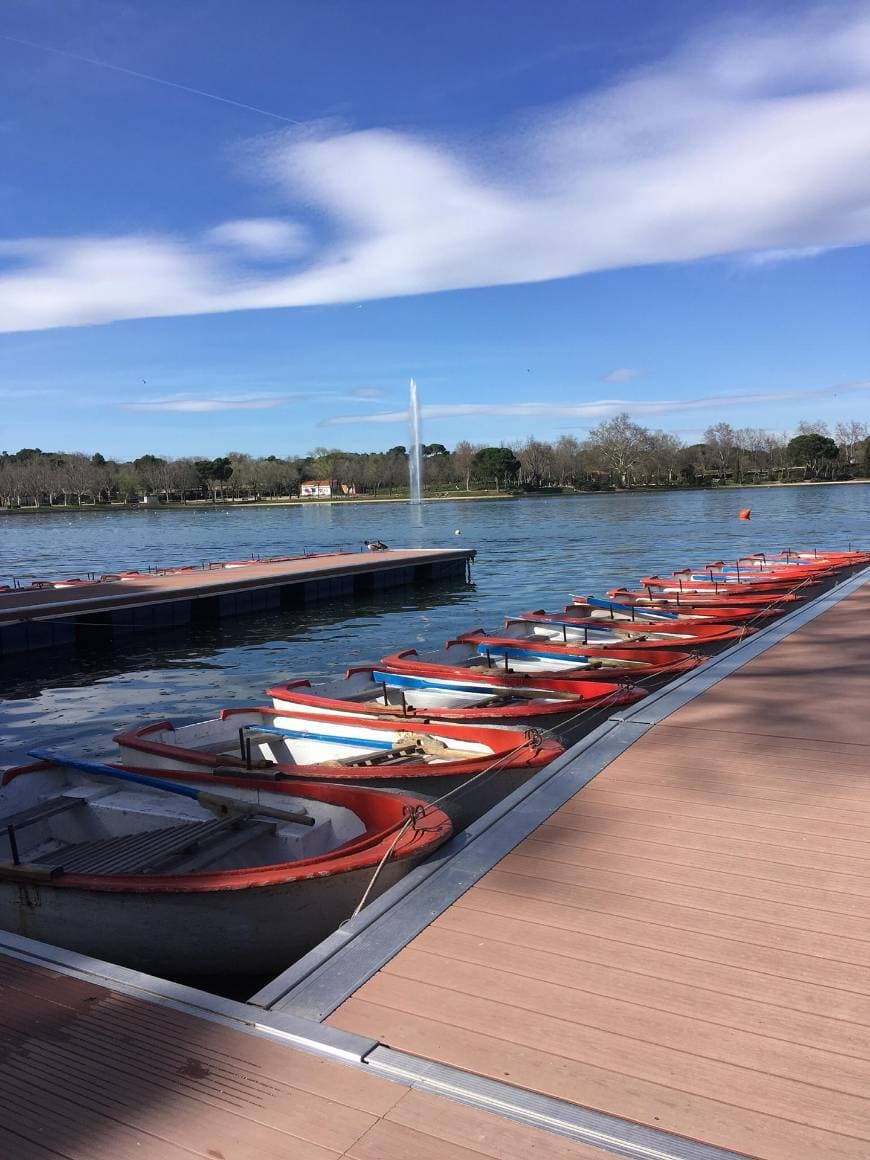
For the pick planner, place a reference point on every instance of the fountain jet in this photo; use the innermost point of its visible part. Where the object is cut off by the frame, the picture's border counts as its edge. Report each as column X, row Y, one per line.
column 415, row 454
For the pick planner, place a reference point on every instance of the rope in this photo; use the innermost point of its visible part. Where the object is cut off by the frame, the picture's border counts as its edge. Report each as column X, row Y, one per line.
column 403, row 828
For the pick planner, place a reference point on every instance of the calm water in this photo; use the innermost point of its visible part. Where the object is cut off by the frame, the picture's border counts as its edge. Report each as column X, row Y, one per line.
column 532, row 553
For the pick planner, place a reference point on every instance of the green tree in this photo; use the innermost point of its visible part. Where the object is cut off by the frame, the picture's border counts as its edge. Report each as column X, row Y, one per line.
column 495, row 463
column 212, row 473
column 812, row 451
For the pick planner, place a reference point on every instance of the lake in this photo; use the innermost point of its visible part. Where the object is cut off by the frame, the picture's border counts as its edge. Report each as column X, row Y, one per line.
column 532, row 553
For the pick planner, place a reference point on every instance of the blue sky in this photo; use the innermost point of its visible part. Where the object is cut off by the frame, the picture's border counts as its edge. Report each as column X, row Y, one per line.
column 545, row 212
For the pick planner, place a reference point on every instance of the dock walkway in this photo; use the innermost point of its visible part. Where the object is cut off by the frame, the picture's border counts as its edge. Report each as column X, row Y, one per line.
column 685, row 942
column 658, row 948
column 46, row 616
column 91, row 1073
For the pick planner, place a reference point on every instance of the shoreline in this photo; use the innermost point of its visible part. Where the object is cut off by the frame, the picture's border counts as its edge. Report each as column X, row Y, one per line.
column 204, row 505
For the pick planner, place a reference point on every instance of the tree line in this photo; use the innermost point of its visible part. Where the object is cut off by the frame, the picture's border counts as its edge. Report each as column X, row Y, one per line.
column 617, row 453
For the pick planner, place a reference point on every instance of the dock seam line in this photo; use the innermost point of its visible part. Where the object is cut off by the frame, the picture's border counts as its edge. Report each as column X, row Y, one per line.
column 623, row 1137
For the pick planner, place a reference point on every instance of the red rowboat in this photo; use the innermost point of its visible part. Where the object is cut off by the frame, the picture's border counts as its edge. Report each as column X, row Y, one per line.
column 107, row 863
column 515, row 662
column 568, row 626
column 431, row 760
column 370, row 692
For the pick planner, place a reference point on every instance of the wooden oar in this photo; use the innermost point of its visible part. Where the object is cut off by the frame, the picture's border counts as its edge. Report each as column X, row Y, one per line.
column 217, row 803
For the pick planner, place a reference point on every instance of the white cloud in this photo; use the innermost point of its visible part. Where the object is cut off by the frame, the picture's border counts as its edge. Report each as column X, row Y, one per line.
column 367, row 393
column 180, row 403
column 598, row 408
column 775, row 257
column 750, row 141
column 621, row 375
column 28, row 392
column 262, row 237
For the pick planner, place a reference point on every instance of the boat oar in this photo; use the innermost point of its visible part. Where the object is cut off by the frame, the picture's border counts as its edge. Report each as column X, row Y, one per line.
column 216, row 802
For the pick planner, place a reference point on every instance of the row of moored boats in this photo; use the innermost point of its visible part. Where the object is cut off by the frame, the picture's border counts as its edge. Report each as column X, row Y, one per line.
column 233, row 845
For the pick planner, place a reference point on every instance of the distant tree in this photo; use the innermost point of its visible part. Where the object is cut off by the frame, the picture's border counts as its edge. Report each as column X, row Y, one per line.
column 618, row 444
column 849, row 435
column 430, row 450
column 463, row 457
column 536, row 462
column 811, row 451
column 813, row 427
column 567, row 459
column 213, row 473
column 721, row 443
column 149, row 470
column 497, row 464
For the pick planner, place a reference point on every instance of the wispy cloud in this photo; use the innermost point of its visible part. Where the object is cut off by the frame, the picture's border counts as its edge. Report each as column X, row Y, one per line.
column 621, row 375
column 775, row 257
column 599, row 408
column 183, row 403
column 28, row 392
column 367, row 393
column 742, row 142
column 262, row 237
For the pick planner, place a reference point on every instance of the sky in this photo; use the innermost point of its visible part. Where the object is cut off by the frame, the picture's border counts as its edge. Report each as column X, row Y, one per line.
column 245, row 224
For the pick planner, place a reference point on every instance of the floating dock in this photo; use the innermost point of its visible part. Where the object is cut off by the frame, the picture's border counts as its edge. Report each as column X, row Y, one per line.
column 657, row 948
column 50, row 614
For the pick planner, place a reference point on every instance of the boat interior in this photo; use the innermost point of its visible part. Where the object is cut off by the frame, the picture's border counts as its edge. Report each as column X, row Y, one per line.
column 84, row 826
column 257, row 737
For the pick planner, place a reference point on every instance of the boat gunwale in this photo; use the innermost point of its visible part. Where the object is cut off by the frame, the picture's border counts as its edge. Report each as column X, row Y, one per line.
column 531, row 709
column 513, row 749
column 360, row 853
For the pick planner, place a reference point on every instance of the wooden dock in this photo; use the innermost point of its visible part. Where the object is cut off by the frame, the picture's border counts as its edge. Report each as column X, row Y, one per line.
column 43, row 615
column 685, row 942
column 658, row 948
column 93, row 1073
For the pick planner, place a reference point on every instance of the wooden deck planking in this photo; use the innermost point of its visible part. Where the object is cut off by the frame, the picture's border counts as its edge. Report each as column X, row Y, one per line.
column 148, row 587
column 685, row 943
column 88, row 1073
column 421, row 1127
column 813, row 685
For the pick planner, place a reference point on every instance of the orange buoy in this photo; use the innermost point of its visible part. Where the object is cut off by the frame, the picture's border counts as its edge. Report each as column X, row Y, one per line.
column 745, row 513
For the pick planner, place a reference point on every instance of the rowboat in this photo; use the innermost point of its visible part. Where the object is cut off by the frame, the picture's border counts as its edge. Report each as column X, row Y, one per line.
column 522, row 638
column 662, row 610
column 721, row 584
column 511, row 658
column 176, row 879
column 589, row 631
column 705, row 601
column 431, row 762
column 830, row 558
column 379, row 692
column 793, row 575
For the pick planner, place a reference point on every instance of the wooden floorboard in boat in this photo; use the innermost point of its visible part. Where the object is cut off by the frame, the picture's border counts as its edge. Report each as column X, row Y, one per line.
column 89, row 1073
column 686, row 942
